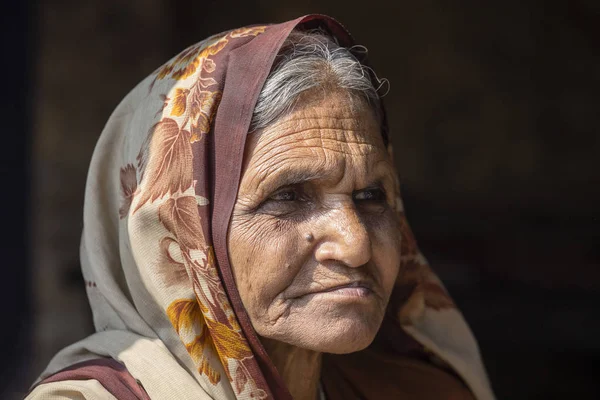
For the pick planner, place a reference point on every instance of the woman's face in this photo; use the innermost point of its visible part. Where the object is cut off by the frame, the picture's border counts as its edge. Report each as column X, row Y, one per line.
column 313, row 240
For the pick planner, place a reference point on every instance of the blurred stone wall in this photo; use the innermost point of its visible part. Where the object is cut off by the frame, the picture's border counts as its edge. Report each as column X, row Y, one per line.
column 91, row 53
column 494, row 116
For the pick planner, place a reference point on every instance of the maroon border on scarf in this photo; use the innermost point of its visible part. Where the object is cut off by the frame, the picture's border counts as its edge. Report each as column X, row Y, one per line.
column 111, row 374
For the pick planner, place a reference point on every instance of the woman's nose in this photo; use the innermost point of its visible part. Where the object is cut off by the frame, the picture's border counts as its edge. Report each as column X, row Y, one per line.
column 344, row 238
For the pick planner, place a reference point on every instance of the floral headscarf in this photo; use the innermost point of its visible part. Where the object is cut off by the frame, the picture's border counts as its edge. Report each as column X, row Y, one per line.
column 160, row 192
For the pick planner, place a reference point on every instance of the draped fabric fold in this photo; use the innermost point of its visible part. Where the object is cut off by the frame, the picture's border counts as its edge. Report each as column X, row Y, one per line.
column 161, row 187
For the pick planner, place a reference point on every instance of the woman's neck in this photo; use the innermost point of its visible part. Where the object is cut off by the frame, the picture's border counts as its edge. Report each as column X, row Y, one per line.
column 299, row 368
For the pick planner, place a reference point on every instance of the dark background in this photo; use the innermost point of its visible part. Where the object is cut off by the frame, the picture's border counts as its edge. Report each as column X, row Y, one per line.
column 494, row 110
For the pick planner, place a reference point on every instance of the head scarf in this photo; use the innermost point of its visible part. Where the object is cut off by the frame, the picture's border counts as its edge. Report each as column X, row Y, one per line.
column 161, row 188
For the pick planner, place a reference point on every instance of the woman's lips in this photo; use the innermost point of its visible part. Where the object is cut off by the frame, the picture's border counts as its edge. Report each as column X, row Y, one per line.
column 350, row 291
column 354, row 289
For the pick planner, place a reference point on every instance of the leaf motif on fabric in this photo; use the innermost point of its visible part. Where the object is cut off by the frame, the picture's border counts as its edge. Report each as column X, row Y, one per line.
column 210, row 318
column 182, row 58
column 163, row 72
column 209, row 65
column 180, row 216
column 179, row 102
column 209, row 336
column 214, row 48
column 206, row 82
column 186, row 70
column 167, row 161
column 187, row 62
column 128, row 189
column 203, row 110
column 240, row 378
column 187, row 319
column 248, row 31
column 165, row 245
column 229, row 343
column 205, row 368
column 232, row 320
column 179, row 63
column 172, row 270
column 212, row 269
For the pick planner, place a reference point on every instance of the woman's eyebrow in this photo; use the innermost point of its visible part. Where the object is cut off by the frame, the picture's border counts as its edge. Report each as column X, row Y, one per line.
column 373, row 183
column 288, row 177
column 293, row 175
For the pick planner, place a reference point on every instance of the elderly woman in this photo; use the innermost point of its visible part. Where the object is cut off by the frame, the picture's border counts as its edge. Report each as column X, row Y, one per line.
column 244, row 238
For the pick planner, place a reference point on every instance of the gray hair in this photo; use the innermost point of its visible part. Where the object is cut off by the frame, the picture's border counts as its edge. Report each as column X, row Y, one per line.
column 311, row 60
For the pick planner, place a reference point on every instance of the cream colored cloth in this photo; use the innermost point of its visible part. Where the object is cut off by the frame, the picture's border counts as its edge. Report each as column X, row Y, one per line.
column 72, row 390
column 159, row 305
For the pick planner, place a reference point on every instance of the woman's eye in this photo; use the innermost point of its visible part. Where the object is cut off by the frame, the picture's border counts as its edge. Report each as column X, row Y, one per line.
column 285, row 202
column 284, row 195
column 374, row 195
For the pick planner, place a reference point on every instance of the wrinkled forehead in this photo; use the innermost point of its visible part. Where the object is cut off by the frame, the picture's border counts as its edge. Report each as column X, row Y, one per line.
column 337, row 121
column 325, row 139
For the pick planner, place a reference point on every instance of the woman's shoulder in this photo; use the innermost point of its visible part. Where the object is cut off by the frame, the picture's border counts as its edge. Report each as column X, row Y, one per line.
column 101, row 378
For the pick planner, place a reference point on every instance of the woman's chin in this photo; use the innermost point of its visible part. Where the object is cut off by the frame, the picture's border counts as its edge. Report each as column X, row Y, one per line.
column 336, row 336
column 348, row 336
column 345, row 345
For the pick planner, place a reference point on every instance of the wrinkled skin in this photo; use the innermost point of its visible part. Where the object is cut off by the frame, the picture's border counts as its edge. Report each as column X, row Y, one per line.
column 313, row 239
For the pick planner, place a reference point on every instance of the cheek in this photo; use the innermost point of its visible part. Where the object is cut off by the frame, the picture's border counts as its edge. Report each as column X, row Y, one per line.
column 261, row 255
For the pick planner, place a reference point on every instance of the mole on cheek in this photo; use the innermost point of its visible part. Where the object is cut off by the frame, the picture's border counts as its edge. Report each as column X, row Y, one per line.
column 309, row 237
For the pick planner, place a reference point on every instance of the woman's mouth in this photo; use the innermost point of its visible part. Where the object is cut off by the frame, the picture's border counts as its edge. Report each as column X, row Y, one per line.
column 358, row 289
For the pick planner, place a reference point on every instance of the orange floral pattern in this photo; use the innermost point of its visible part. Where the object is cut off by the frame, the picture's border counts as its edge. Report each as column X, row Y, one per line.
column 206, row 324
column 188, row 319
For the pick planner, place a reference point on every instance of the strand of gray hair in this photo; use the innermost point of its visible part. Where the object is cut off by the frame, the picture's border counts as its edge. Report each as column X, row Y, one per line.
column 310, row 60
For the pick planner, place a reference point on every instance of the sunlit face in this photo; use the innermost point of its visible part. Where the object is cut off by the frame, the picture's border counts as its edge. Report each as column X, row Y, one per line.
column 313, row 240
